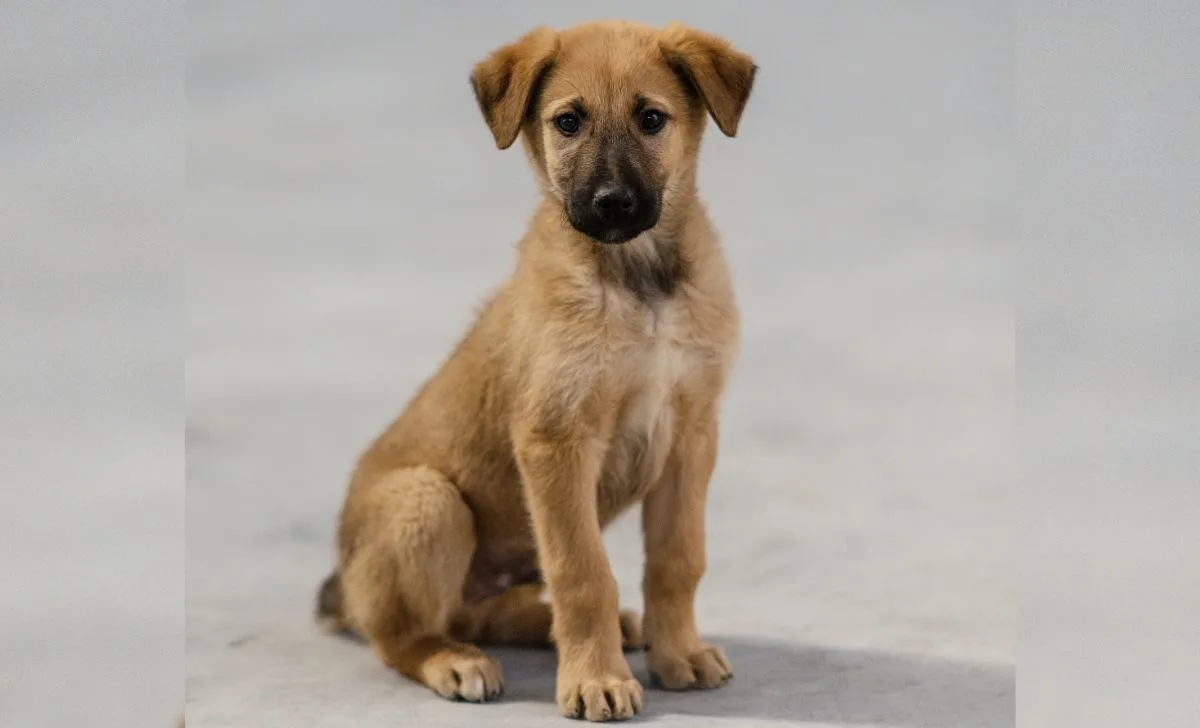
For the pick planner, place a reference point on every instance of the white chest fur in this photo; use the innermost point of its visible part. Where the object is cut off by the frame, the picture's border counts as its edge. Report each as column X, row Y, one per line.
column 654, row 377
column 653, row 365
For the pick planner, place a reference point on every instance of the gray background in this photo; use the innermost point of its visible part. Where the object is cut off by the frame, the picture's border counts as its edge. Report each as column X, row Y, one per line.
column 347, row 211
column 1108, row 100
column 866, row 209
column 91, row 364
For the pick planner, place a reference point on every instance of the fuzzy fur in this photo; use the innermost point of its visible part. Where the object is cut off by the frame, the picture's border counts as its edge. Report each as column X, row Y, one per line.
column 589, row 383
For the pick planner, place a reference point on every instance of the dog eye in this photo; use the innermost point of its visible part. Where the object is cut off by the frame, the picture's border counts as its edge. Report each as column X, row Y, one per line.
column 651, row 120
column 567, row 123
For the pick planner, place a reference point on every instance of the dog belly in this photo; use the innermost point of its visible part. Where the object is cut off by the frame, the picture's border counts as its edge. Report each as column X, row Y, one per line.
column 494, row 569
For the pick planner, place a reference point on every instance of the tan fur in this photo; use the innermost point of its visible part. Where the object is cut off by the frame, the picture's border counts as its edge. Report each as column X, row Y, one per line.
column 589, row 383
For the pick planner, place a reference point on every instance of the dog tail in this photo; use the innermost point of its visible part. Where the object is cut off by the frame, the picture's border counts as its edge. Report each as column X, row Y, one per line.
column 329, row 610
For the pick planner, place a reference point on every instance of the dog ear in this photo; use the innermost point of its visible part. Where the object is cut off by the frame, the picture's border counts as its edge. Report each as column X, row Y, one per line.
column 719, row 73
column 504, row 82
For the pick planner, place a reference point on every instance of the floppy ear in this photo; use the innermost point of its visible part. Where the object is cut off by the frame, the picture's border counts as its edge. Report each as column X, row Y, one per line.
column 721, row 74
column 505, row 80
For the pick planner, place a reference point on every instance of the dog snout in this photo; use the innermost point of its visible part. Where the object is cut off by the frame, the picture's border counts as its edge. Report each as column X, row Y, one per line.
column 616, row 204
column 614, row 207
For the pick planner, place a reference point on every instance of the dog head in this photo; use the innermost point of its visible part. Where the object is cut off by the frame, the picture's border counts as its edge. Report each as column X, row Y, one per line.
column 611, row 114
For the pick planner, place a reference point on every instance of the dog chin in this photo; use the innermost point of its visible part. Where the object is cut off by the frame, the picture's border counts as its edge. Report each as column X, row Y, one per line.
column 608, row 236
column 616, row 237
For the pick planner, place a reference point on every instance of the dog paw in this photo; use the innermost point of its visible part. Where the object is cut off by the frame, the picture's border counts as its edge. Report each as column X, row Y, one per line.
column 631, row 631
column 703, row 668
column 473, row 678
column 599, row 699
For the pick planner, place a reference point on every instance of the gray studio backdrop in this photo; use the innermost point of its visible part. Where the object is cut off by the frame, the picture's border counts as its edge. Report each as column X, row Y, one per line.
column 344, row 210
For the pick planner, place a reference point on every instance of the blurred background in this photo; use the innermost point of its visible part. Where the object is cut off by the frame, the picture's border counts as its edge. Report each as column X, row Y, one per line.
column 347, row 211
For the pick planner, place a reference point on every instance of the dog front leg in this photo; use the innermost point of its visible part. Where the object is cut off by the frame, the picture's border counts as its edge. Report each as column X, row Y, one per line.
column 673, row 524
column 560, row 477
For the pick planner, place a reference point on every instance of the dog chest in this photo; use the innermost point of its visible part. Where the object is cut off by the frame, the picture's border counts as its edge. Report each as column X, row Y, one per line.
column 655, row 376
column 654, row 368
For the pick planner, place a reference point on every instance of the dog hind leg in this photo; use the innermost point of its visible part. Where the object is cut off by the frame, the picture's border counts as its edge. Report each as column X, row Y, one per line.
column 518, row 617
column 403, row 583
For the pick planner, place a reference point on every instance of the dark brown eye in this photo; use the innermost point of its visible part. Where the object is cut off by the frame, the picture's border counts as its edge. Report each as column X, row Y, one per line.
column 651, row 120
column 567, row 123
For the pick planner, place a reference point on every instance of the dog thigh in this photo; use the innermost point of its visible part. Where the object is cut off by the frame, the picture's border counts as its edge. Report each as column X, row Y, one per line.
column 404, row 580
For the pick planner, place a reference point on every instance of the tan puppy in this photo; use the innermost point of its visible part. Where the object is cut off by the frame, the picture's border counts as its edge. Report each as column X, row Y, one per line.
column 590, row 382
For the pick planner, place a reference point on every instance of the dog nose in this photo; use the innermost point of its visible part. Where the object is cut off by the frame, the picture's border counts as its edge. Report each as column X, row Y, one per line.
column 614, row 202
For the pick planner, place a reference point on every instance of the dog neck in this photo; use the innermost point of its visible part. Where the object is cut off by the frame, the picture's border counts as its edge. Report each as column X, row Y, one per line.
column 651, row 267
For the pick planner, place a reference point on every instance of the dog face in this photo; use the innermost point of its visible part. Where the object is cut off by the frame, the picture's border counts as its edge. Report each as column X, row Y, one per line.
column 611, row 115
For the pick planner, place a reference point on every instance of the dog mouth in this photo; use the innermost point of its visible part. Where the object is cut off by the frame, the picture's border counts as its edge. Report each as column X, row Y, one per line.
column 606, row 230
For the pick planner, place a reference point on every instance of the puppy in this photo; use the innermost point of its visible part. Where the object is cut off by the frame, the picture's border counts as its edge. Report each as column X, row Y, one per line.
column 589, row 382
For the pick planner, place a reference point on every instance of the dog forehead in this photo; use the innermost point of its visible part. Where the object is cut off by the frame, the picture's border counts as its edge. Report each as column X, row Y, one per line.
column 607, row 33
column 609, row 60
